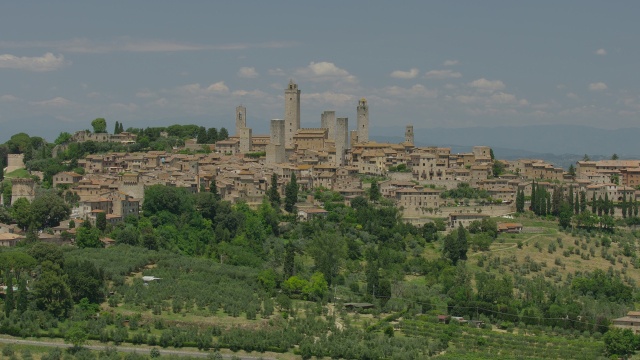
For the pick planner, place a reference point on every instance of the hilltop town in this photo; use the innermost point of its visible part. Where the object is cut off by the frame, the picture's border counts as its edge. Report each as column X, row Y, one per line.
column 330, row 157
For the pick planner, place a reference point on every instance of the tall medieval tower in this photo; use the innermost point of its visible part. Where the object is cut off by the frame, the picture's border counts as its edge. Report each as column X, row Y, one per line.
column 408, row 135
column 291, row 113
column 363, row 121
column 241, row 118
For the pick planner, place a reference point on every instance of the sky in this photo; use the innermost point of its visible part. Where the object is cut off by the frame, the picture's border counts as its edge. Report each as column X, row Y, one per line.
column 428, row 63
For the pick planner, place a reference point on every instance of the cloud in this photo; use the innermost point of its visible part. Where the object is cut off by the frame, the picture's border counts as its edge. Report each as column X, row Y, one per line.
column 55, row 102
column 128, row 44
column 399, row 74
column 490, row 85
column 330, row 98
column 450, row 62
column 247, row 72
column 599, row 86
column 325, row 71
column 250, row 93
column 8, row 98
column 442, row 74
column 276, row 72
column 145, row 94
column 47, row 62
column 218, row 87
column 196, row 89
column 573, row 96
column 498, row 98
column 416, row 91
column 601, row 52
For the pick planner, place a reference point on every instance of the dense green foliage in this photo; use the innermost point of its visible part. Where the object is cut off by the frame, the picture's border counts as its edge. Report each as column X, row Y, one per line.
column 464, row 191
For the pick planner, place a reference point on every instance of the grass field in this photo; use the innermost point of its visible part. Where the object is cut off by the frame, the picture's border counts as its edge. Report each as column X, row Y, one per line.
column 19, row 173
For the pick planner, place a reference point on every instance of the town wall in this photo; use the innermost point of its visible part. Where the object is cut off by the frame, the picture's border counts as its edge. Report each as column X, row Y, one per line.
column 14, row 162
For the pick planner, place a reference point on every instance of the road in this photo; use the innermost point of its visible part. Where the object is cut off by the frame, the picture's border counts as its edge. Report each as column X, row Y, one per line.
column 126, row 349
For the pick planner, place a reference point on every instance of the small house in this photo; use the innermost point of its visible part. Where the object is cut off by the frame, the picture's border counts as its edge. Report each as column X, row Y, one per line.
column 631, row 321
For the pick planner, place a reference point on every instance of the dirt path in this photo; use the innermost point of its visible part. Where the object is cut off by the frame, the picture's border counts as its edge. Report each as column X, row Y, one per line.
column 126, row 349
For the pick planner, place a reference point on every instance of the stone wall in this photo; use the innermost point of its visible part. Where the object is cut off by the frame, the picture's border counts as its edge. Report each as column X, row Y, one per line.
column 14, row 162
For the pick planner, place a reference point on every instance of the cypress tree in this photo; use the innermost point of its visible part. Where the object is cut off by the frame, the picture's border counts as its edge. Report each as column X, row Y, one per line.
column 116, row 129
column 557, row 199
column 214, row 189
column 9, row 301
column 534, row 198
column 22, row 302
column 583, row 201
column 576, row 206
column 291, row 195
column 571, row 199
column 599, row 206
column 612, row 208
column 543, row 204
column 121, row 129
column 635, row 208
column 593, row 203
column 624, row 205
column 289, row 260
column 462, row 244
column 374, row 191
column 273, row 194
column 1, row 169
column 548, row 209
column 520, row 201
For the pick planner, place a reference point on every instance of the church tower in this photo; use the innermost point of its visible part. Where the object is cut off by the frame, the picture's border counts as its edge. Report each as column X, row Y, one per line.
column 291, row 113
column 363, row 121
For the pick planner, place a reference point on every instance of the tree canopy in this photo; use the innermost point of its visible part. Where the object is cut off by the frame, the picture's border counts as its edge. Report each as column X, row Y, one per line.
column 99, row 125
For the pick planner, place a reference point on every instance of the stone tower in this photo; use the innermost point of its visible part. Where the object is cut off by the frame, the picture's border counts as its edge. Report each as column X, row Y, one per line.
column 342, row 140
column 291, row 113
column 328, row 121
column 23, row 188
column 241, row 118
column 275, row 148
column 363, row 121
column 245, row 139
column 408, row 134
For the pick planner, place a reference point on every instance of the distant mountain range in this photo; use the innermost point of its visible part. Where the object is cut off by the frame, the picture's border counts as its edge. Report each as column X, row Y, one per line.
column 561, row 145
